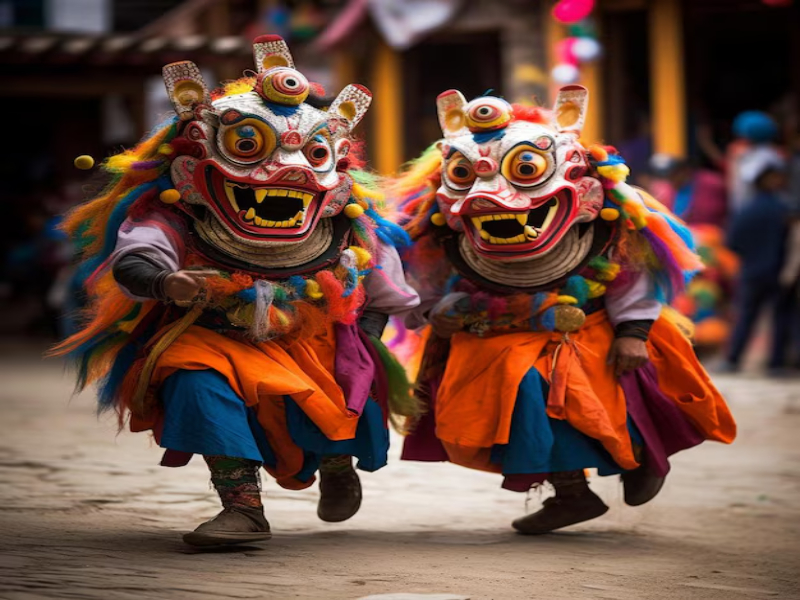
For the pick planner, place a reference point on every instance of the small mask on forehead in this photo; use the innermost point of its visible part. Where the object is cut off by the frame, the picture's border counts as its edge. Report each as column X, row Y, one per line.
column 514, row 178
column 268, row 164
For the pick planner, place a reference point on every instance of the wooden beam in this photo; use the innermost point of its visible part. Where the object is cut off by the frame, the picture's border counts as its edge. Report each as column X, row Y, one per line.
column 387, row 137
column 668, row 78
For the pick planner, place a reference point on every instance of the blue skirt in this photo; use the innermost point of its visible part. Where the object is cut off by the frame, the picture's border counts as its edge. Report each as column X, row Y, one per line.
column 203, row 415
column 540, row 444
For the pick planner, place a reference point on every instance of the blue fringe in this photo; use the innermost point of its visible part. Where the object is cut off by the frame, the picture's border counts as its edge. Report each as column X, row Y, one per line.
column 282, row 110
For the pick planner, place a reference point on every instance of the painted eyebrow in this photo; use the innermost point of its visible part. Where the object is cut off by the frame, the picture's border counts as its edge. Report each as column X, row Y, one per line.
column 233, row 116
column 454, row 150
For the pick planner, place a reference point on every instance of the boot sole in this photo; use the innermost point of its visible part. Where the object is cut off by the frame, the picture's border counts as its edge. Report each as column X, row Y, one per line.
column 339, row 518
column 224, row 539
column 639, row 501
column 519, row 524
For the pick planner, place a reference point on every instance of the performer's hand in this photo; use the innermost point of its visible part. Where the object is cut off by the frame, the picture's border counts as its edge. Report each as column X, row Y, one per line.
column 627, row 354
column 184, row 286
column 444, row 325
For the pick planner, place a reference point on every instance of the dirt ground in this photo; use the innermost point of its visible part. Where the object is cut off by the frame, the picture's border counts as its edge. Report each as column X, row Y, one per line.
column 85, row 513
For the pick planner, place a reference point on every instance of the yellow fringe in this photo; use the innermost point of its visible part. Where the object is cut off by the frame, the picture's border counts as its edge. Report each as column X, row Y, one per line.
column 164, row 342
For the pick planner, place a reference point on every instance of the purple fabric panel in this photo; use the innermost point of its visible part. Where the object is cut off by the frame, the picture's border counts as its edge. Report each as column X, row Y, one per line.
column 354, row 368
column 422, row 443
column 523, row 482
column 662, row 424
column 379, row 378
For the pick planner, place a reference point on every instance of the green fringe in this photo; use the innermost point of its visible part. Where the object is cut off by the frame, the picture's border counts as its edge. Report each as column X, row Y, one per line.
column 401, row 400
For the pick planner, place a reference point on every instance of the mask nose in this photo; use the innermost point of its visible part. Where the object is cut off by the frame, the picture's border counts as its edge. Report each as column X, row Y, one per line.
column 485, row 168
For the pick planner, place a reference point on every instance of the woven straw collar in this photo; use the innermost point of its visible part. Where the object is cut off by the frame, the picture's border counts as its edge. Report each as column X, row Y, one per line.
column 271, row 255
column 554, row 265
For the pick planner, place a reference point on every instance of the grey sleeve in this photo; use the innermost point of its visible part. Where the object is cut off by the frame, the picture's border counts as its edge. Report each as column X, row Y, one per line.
column 141, row 276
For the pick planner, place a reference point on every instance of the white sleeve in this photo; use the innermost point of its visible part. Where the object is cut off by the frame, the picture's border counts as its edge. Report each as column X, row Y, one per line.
column 633, row 300
column 145, row 240
column 386, row 286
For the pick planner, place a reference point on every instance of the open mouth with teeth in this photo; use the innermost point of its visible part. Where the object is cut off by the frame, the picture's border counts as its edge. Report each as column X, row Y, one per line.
column 520, row 231
column 258, row 211
column 280, row 208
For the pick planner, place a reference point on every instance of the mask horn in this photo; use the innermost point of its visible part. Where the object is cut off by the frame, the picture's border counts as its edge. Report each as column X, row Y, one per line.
column 185, row 88
column 450, row 108
column 270, row 51
column 570, row 108
column 352, row 104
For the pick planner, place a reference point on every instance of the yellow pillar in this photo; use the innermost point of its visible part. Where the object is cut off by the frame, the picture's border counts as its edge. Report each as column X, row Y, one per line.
column 668, row 80
column 592, row 80
column 387, row 122
column 344, row 69
column 554, row 33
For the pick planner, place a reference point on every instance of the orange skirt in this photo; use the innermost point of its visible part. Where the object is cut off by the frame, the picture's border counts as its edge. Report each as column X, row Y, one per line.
column 262, row 374
column 476, row 399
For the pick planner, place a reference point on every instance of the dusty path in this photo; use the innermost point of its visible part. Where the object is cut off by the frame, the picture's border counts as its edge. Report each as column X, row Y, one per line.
column 85, row 514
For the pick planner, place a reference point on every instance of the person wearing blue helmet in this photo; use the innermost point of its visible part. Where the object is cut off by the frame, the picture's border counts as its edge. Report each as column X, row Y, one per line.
column 756, row 133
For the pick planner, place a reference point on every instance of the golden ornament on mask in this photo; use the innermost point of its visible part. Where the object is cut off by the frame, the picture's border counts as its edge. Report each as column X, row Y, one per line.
column 353, row 211
column 438, row 219
column 170, row 196
column 609, row 214
column 569, row 318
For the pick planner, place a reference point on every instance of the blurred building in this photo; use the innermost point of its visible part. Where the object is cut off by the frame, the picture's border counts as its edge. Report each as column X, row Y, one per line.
column 666, row 66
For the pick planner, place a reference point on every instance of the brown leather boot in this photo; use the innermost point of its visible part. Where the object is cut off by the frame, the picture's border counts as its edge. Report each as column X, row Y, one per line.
column 573, row 503
column 640, row 486
column 234, row 525
column 339, row 488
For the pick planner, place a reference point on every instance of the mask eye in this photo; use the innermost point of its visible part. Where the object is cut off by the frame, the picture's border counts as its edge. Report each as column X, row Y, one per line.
column 249, row 141
column 284, row 86
column 524, row 166
column 460, row 173
column 317, row 154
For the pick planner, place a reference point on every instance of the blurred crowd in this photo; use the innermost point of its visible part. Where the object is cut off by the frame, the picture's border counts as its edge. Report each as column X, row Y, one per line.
column 743, row 205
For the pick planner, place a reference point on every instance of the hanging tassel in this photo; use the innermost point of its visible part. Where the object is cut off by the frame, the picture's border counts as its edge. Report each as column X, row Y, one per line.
column 265, row 293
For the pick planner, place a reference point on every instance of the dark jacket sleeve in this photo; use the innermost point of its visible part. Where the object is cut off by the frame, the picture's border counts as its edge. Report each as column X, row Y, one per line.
column 634, row 329
column 140, row 276
column 373, row 323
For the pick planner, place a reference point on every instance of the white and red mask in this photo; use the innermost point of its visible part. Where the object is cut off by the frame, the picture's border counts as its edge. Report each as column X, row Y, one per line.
column 266, row 164
column 514, row 180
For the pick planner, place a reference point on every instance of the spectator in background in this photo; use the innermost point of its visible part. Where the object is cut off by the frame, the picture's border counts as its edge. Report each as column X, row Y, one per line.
column 756, row 133
column 758, row 234
column 696, row 195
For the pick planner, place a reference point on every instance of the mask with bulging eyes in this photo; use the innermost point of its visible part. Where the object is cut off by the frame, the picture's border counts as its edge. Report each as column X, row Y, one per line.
column 266, row 164
column 515, row 184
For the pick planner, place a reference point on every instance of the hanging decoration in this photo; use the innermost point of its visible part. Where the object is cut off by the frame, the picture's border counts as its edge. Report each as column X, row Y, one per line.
column 572, row 11
column 580, row 45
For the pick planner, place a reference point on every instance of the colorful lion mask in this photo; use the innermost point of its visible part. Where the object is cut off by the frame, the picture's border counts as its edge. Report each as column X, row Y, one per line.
column 268, row 166
column 515, row 186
